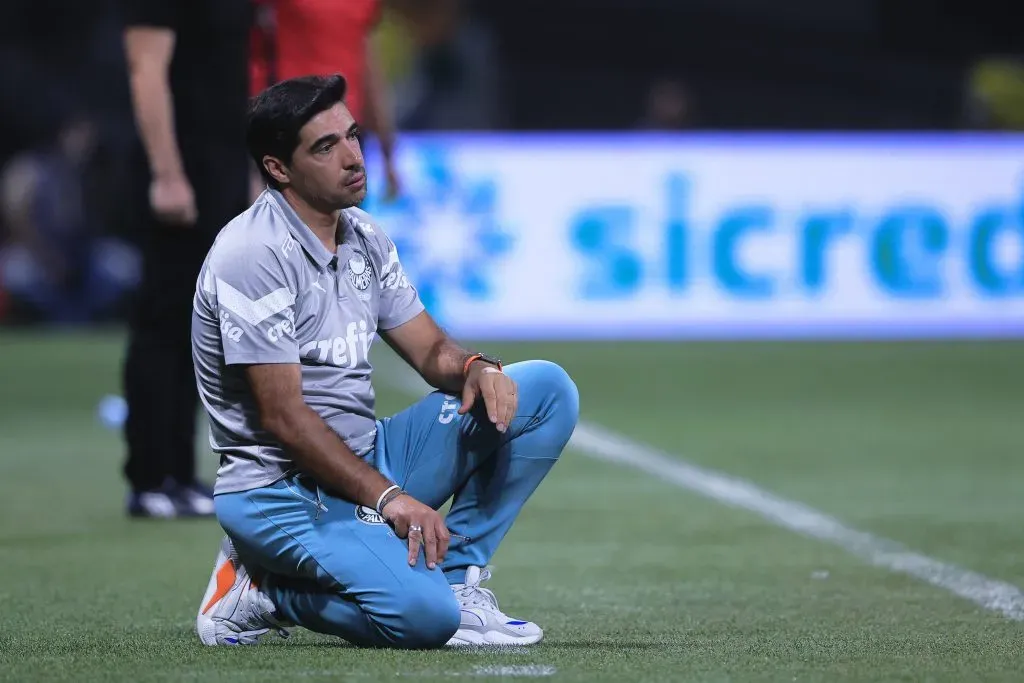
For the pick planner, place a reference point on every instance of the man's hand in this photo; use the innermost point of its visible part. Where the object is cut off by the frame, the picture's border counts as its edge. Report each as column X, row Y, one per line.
column 498, row 391
column 419, row 523
column 173, row 200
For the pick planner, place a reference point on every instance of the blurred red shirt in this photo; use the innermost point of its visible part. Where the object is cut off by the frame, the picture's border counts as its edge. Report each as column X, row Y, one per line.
column 315, row 37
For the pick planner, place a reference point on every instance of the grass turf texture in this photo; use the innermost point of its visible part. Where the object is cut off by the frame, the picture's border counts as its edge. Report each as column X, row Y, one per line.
column 632, row 578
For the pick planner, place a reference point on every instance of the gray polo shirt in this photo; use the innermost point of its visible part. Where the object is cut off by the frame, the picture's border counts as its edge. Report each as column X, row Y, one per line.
column 270, row 292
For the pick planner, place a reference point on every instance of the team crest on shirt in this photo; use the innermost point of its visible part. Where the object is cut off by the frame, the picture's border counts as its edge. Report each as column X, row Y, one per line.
column 368, row 515
column 360, row 271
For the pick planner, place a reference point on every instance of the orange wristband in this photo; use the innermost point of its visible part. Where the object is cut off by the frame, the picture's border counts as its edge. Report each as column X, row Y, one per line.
column 469, row 361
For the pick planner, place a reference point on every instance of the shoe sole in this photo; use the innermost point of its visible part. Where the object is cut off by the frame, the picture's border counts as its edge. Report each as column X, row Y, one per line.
column 467, row 638
column 206, row 629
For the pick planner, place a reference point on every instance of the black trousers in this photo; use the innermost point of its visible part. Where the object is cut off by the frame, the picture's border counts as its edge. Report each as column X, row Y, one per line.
column 158, row 374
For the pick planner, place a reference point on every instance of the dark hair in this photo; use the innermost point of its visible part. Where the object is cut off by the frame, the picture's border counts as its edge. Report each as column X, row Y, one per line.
column 277, row 114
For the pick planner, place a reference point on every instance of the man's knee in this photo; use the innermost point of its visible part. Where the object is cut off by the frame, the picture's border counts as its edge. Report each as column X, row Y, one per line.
column 424, row 619
column 553, row 391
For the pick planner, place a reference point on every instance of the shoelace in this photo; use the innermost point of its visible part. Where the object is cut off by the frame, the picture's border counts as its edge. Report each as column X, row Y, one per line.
column 476, row 595
column 281, row 631
column 260, row 615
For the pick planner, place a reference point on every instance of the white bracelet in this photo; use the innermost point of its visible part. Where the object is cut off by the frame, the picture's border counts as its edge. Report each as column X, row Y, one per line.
column 386, row 492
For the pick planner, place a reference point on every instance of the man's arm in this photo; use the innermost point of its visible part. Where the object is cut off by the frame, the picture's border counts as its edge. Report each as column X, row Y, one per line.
column 378, row 114
column 377, row 105
column 318, row 450
column 405, row 325
column 441, row 362
column 252, row 289
column 438, row 358
column 315, row 447
column 148, row 50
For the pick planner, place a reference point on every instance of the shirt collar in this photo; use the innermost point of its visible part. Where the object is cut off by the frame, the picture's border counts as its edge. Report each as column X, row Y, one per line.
column 309, row 242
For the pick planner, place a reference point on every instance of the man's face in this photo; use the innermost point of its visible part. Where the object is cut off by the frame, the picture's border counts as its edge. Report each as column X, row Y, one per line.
column 327, row 166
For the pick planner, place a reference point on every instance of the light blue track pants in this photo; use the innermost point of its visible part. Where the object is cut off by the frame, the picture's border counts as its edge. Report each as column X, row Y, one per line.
column 335, row 569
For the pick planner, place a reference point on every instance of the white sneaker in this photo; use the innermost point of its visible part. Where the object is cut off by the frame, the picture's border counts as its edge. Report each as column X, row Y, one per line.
column 482, row 622
column 234, row 611
column 193, row 501
column 154, row 504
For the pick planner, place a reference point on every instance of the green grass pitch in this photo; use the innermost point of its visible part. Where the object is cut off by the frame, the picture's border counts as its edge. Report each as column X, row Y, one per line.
column 633, row 578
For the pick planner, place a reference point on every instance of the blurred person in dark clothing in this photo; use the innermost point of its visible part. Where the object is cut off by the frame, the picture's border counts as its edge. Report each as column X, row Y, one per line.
column 188, row 74
column 57, row 265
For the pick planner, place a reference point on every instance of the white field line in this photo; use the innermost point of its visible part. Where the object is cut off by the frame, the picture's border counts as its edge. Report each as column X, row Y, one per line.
column 515, row 670
column 603, row 444
column 492, row 670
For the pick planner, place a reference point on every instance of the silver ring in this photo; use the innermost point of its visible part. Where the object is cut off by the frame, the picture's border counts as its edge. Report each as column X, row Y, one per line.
column 415, row 527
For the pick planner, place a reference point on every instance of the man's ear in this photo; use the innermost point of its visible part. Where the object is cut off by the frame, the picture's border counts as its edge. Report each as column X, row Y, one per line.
column 276, row 168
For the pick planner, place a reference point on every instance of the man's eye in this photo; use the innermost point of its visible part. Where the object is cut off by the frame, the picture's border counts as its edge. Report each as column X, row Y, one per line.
column 353, row 134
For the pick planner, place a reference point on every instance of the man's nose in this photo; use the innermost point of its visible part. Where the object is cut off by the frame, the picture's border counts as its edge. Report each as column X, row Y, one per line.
column 352, row 155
